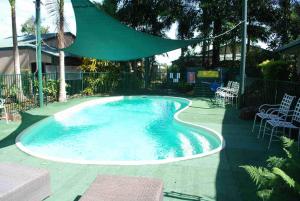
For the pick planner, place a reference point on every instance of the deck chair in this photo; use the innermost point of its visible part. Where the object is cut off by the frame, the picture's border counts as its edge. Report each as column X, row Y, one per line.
column 267, row 111
column 20, row 182
column 2, row 107
column 294, row 123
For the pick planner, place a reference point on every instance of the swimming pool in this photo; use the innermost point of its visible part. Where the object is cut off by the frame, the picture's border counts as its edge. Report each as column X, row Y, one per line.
column 124, row 130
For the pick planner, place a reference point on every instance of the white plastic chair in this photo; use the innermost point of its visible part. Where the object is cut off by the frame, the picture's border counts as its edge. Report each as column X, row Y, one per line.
column 277, row 123
column 2, row 107
column 267, row 111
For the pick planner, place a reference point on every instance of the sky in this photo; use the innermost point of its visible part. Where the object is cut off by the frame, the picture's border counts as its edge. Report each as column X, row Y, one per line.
column 26, row 8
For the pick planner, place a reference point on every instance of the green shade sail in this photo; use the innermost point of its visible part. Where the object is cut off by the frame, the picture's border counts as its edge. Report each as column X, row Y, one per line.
column 103, row 37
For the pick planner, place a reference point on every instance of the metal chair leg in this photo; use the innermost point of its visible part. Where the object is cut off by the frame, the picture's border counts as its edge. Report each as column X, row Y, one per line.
column 254, row 123
column 271, row 137
column 298, row 139
column 263, row 136
column 261, row 122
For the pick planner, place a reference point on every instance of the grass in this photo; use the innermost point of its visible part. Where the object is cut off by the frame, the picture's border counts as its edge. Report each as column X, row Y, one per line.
column 216, row 177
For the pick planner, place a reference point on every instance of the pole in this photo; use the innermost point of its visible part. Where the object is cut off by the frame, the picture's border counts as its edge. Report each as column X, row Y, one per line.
column 39, row 50
column 243, row 49
column 147, row 68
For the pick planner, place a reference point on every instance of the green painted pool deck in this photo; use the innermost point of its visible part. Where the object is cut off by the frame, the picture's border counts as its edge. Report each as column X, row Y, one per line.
column 215, row 177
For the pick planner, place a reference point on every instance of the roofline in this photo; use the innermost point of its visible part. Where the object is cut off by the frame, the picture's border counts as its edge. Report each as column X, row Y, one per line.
column 26, row 47
column 31, row 47
column 288, row 46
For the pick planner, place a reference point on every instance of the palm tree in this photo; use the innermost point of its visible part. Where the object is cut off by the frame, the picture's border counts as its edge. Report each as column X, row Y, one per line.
column 15, row 40
column 56, row 9
column 17, row 68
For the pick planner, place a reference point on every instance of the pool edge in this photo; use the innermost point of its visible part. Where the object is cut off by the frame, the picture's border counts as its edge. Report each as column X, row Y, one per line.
column 129, row 163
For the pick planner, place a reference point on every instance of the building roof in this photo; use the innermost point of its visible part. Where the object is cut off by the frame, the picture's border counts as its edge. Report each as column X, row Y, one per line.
column 292, row 46
column 28, row 41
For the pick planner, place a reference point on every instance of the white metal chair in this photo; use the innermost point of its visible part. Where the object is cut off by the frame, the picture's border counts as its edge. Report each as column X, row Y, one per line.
column 229, row 95
column 227, row 88
column 2, row 107
column 267, row 111
column 294, row 123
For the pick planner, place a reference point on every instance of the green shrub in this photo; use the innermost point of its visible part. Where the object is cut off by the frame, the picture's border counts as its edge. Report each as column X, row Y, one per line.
column 275, row 70
column 184, row 87
column 280, row 179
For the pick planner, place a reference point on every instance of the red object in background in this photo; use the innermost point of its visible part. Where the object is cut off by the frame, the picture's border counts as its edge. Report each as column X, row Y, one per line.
column 191, row 77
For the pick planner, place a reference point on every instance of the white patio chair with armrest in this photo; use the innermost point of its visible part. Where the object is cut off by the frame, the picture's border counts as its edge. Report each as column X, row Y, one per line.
column 2, row 107
column 267, row 111
column 230, row 95
column 294, row 123
column 228, row 87
column 222, row 92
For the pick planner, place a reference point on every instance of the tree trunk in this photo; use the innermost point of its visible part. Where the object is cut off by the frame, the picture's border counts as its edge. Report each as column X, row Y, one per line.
column 17, row 68
column 62, row 83
column 61, row 39
column 204, row 46
column 216, row 44
column 249, row 36
column 233, row 49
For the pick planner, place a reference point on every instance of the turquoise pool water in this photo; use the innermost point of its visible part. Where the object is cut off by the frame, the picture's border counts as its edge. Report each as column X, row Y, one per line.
column 121, row 129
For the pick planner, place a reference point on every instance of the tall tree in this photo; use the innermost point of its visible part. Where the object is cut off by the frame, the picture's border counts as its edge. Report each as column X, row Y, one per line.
column 56, row 9
column 17, row 68
column 28, row 27
column 286, row 23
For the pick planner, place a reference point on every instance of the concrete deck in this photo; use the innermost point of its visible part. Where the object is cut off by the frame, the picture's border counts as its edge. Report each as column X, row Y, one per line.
column 216, row 177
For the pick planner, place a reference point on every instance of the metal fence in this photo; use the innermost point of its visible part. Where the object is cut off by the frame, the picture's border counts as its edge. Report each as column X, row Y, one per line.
column 259, row 91
column 21, row 91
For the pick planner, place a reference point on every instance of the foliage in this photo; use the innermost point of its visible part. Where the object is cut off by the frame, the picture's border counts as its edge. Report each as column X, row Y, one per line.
column 50, row 87
column 254, row 58
column 280, row 179
column 276, row 70
column 28, row 27
column 104, row 72
column 184, row 87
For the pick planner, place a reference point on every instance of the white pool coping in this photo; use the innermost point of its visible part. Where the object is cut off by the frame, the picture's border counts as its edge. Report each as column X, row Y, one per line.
column 104, row 162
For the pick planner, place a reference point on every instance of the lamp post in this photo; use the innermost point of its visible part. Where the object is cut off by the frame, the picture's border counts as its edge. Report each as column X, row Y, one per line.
column 39, row 50
column 243, row 48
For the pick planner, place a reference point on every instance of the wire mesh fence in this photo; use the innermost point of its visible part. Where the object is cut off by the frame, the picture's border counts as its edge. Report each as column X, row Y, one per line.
column 259, row 91
column 21, row 91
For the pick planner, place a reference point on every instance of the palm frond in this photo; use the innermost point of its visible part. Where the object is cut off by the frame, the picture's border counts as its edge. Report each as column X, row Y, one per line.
column 275, row 161
column 286, row 142
column 261, row 176
column 287, row 179
column 265, row 194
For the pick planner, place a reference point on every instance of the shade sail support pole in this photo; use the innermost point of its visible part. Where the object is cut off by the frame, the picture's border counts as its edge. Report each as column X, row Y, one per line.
column 243, row 48
column 39, row 50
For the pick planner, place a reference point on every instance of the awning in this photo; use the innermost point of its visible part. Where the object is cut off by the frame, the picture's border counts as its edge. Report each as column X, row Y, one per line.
column 103, row 37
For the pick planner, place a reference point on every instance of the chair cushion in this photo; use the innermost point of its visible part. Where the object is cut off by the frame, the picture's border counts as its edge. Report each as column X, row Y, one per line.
column 18, row 182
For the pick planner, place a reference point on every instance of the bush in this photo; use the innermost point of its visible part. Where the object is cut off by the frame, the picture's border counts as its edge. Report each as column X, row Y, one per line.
column 254, row 58
column 276, row 70
column 280, row 180
column 184, row 87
